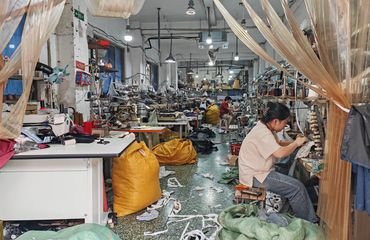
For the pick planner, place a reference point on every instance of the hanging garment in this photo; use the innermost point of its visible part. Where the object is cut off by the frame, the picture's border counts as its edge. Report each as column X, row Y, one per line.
column 356, row 149
column 362, row 191
column 356, row 139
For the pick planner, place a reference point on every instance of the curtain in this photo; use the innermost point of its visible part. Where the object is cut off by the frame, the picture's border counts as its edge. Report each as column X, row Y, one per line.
column 114, row 8
column 341, row 71
column 42, row 18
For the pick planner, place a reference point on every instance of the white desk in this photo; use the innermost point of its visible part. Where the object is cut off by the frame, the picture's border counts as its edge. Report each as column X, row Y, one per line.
column 179, row 123
column 60, row 182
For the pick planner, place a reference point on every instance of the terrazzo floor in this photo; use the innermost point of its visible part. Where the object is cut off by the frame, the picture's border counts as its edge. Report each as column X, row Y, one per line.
column 193, row 202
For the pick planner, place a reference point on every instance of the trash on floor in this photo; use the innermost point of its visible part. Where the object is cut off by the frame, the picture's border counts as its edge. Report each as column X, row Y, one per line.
column 163, row 201
column 176, row 207
column 148, row 216
column 207, row 175
column 164, row 173
column 217, row 189
column 199, row 188
column 232, row 159
column 209, row 221
column 173, row 183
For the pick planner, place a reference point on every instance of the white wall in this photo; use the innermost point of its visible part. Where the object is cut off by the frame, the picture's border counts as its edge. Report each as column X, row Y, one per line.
column 81, row 54
column 65, row 56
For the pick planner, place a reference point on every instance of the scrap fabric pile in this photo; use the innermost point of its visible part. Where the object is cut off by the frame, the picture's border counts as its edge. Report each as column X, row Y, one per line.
column 242, row 222
column 83, row 231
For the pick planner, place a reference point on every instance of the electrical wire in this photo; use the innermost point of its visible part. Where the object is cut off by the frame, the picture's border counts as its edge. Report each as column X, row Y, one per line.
column 120, row 42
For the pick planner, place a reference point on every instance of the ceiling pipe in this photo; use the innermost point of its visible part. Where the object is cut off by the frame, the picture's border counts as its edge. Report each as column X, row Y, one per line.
column 190, row 29
column 168, row 37
column 159, row 36
column 212, row 16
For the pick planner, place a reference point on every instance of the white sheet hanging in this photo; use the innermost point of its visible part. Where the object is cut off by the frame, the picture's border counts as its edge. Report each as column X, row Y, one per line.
column 114, row 8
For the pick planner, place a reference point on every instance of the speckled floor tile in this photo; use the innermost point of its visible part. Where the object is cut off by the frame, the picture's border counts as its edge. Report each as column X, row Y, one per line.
column 193, row 202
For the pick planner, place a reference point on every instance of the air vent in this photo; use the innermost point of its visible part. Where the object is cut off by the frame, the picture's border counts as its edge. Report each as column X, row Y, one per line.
column 219, row 40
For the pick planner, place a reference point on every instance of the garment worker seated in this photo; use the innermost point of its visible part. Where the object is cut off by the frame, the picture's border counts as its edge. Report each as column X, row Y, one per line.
column 226, row 111
column 260, row 150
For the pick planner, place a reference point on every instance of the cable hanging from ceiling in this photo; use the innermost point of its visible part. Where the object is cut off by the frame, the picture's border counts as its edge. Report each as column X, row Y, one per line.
column 170, row 58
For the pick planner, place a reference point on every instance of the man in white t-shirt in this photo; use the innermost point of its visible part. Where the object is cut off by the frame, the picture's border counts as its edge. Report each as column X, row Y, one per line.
column 260, row 150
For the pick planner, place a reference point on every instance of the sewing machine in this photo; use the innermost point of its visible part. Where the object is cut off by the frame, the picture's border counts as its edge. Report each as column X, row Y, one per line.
column 58, row 123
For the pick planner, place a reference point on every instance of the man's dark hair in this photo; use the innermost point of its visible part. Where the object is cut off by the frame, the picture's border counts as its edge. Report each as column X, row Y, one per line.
column 275, row 111
column 228, row 98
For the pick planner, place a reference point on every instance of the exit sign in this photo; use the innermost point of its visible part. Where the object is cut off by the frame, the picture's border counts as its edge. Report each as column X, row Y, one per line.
column 79, row 15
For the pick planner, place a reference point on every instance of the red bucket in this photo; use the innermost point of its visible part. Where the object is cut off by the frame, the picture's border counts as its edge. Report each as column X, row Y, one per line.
column 235, row 148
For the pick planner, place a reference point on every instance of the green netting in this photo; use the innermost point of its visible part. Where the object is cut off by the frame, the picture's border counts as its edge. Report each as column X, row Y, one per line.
column 79, row 232
column 240, row 222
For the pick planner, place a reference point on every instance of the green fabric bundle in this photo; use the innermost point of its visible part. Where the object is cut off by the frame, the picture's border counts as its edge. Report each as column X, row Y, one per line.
column 79, row 232
column 230, row 177
column 240, row 222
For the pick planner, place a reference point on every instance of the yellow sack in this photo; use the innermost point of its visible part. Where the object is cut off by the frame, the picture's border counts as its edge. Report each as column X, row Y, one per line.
column 135, row 179
column 175, row 152
column 236, row 84
column 213, row 115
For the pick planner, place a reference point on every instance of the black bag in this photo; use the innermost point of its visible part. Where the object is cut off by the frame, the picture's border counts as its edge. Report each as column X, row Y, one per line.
column 203, row 146
column 202, row 133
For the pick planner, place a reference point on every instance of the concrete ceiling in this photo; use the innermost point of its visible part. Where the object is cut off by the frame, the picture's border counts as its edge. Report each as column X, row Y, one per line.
column 174, row 20
column 174, row 10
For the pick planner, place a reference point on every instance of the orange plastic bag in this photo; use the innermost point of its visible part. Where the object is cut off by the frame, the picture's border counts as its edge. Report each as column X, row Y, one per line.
column 175, row 152
column 135, row 179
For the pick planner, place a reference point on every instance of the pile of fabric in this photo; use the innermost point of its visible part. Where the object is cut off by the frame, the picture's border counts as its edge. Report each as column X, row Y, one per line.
column 83, row 231
column 244, row 222
column 230, row 177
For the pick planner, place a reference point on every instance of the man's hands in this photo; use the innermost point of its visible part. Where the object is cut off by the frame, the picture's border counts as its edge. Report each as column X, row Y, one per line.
column 300, row 140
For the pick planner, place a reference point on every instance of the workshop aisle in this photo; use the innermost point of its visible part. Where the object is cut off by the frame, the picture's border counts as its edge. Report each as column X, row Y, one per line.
column 193, row 202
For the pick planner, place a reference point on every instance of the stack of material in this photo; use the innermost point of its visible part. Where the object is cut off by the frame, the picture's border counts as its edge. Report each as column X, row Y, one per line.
column 31, row 108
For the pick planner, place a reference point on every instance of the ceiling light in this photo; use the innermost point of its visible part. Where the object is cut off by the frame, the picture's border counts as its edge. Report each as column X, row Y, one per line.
column 196, row 75
column 209, row 39
column 204, row 78
column 211, row 63
column 190, row 71
column 190, row 10
column 127, row 37
column 236, row 58
column 231, row 71
column 170, row 58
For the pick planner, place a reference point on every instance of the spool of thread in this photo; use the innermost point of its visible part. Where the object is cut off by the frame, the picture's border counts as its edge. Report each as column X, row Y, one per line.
column 42, row 104
column 61, row 108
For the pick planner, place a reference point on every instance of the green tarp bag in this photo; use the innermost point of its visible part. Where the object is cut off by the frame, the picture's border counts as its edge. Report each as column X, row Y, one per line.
column 79, row 232
column 240, row 222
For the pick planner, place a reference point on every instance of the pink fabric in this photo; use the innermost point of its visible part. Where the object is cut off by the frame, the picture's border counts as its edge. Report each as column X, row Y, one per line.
column 6, row 151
